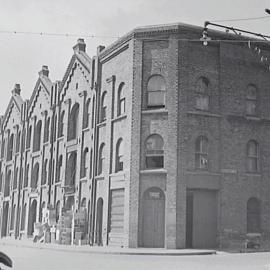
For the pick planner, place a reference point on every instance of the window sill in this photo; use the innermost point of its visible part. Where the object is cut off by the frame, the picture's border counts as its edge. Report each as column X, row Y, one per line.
column 72, row 142
column 36, row 153
column 119, row 118
column 202, row 172
column 83, row 179
column 102, row 124
column 256, row 174
column 61, row 138
column 155, row 111
column 85, row 129
column 46, row 143
column 100, row 177
column 153, row 171
column 204, row 113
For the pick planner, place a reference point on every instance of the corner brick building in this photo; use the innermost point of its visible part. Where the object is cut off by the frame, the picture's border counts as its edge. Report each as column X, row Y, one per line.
column 163, row 141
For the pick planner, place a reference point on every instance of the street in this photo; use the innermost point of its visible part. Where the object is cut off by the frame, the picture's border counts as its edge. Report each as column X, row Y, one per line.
column 30, row 258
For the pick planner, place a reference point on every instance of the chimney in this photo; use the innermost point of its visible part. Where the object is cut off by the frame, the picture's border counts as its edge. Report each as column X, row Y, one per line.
column 100, row 48
column 44, row 71
column 80, row 46
column 16, row 90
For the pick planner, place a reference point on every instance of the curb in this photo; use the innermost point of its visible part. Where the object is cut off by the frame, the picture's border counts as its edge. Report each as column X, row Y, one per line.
column 115, row 252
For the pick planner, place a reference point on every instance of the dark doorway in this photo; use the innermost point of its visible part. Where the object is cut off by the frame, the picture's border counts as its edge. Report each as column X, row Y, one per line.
column 201, row 219
column 5, row 219
column 99, row 221
column 32, row 217
column 153, row 218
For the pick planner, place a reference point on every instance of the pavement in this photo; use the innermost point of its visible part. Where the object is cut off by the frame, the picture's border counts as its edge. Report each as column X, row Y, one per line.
column 26, row 243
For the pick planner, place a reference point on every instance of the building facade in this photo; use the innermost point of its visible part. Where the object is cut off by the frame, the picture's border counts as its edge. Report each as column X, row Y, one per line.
column 164, row 142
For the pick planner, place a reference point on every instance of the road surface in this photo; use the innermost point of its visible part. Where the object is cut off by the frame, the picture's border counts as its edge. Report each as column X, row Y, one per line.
column 44, row 259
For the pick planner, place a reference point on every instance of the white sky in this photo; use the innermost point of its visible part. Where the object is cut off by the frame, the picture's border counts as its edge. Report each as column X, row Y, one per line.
column 22, row 56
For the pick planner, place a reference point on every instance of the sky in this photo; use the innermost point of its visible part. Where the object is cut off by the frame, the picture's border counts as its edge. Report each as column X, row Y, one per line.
column 22, row 56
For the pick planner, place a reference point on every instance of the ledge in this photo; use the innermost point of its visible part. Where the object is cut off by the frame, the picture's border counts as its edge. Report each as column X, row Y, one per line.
column 155, row 111
column 100, row 177
column 203, row 172
column 204, row 113
column 251, row 174
column 153, row 171
column 246, row 118
column 102, row 124
column 119, row 118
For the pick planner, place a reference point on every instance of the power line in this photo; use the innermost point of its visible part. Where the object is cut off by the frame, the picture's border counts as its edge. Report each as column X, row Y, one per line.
column 243, row 19
column 55, row 34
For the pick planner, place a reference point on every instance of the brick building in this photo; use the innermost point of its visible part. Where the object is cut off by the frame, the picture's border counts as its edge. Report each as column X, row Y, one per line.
column 163, row 141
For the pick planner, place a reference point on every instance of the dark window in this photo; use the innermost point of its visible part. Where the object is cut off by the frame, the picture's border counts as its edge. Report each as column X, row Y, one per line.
column 37, row 136
column 156, row 89
column 202, row 94
column 101, row 159
column 253, row 216
column 86, row 114
column 29, row 134
column 103, row 108
column 10, row 147
column 61, row 125
column 252, row 156
column 154, row 152
column 7, row 184
column 18, row 142
column 73, row 122
column 47, row 130
column 201, row 153
column 34, row 178
column 251, row 100
column 119, row 159
column 121, row 100
column 84, row 164
column 45, row 172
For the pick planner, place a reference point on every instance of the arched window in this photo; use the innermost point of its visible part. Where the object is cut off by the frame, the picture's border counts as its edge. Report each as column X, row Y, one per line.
column 156, row 89
column 29, row 134
column 57, row 210
column 61, row 126
column 37, row 136
column 45, row 172
column 15, row 182
column 201, row 153
column 91, row 163
column 59, row 168
column 23, row 219
column 34, row 178
column 71, row 170
column 121, row 100
column 55, row 128
column 3, row 149
column 252, row 156
column 119, row 156
column 154, row 152
column 83, row 203
column 10, row 147
column 86, row 114
column 84, row 163
column 103, row 108
column 26, row 176
column 1, row 182
column 12, row 222
column 93, row 112
column 101, row 159
column 253, row 216
column 202, row 94
column 73, row 122
column 18, row 141
column 251, row 100
column 7, row 184
column 47, row 130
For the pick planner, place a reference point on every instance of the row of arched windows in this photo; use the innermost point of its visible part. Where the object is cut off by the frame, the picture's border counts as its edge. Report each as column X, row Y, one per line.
column 119, row 157
column 203, row 93
column 202, row 154
column 121, row 103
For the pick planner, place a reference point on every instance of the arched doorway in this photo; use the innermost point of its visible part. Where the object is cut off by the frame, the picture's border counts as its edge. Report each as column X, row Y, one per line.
column 153, row 218
column 5, row 219
column 32, row 217
column 99, row 221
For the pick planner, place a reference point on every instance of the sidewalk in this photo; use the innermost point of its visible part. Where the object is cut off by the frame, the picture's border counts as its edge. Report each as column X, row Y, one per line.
column 105, row 250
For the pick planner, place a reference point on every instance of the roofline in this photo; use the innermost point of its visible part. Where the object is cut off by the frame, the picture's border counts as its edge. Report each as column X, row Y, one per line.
column 169, row 29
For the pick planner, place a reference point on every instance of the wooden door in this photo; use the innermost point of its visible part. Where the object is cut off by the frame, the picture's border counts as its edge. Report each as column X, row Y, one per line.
column 153, row 218
column 204, row 219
